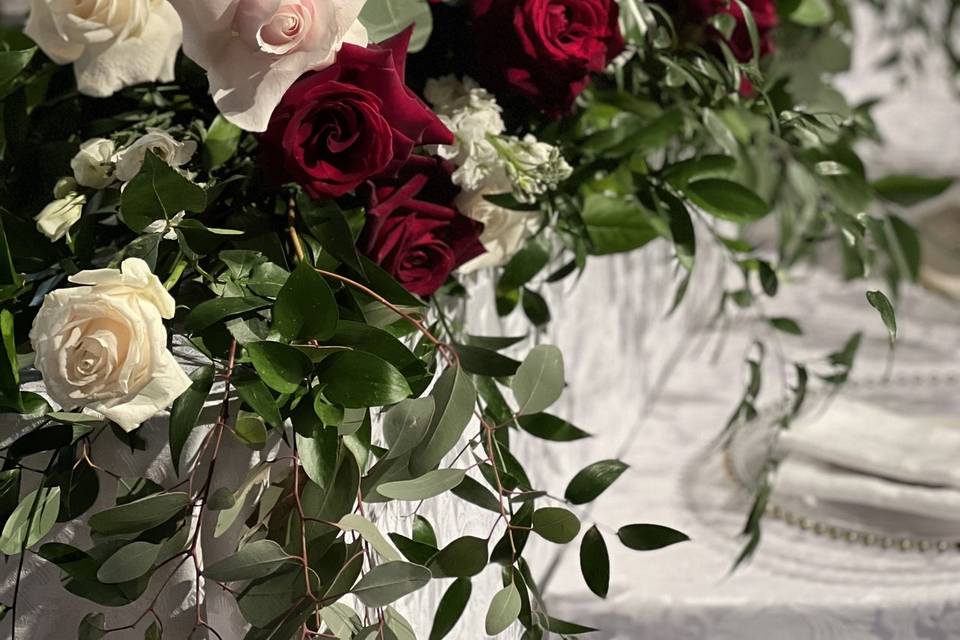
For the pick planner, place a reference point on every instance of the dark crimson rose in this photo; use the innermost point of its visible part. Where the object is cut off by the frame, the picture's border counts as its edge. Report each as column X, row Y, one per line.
column 545, row 50
column 353, row 121
column 413, row 230
column 693, row 15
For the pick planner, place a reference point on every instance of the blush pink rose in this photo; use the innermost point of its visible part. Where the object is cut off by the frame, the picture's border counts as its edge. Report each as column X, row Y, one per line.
column 254, row 50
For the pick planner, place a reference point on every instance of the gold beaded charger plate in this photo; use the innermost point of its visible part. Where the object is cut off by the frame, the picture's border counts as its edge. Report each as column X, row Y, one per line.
column 816, row 539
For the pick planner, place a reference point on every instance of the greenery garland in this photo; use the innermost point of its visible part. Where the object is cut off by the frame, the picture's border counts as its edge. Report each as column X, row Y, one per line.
column 323, row 347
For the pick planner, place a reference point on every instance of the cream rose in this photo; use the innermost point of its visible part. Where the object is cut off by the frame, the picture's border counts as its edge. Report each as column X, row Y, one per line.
column 174, row 153
column 60, row 215
column 103, row 346
column 93, row 166
column 504, row 230
column 112, row 43
column 254, row 50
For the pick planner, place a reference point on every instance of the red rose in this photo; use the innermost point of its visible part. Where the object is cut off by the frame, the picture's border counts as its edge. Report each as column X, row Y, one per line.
column 414, row 232
column 336, row 128
column 545, row 50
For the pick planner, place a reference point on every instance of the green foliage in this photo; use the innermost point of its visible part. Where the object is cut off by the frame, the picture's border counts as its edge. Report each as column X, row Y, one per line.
column 595, row 562
column 159, row 192
column 647, row 537
column 589, row 483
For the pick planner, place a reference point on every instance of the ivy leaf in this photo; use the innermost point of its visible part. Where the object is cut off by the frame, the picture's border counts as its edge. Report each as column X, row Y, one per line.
column 139, row 515
column 254, row 560
column 429, row 485
column 463, row 558
column 455, row 398
column 389, row 582
column 727, row 200
column 648, row 537
column 305, row 308
column 593, row 480
column 186, row 411
column 386, row 18
column 539, row 380
column 556, row 524
column 355, row 379
column 504, row 610
column 881, row 303
column 595, row 562
column 451, row 608
column 220, row 142
column 281, row 367
column 129, row 562
column 158, row 192
column 33, row 518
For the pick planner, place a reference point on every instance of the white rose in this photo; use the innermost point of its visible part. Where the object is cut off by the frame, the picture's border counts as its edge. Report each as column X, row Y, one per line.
column 254, row 50
column 112, row 43
column 103, row 346
column 174, row 153
column 504, row 230
column 61, row 214
column 93, row 166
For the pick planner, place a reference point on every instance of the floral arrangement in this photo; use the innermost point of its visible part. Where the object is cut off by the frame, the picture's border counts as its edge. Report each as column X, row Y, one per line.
column 291, row 194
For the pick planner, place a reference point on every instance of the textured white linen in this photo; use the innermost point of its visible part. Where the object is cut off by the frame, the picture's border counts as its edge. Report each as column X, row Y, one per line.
column 872, row 440
column 813, row 481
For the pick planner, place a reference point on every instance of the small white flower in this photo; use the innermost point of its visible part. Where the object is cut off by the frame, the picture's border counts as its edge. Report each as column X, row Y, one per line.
column 103, row 346
column 112, row 44
column 174, row 153
column 504, row 230
column 94, row 165
column 61, row 214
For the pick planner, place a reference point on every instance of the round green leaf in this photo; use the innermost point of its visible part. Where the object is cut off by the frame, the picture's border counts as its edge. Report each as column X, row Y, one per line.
column 595, row 562
column 255, row 560
column 355, row 379
column 556, row 524
column 462, row 558
column 539, row 380
column 451, row 608
column 389, row 582
column 282, row 367
column 587, row 485
column 647, row 537
column 504, row 609
column 429, row 485
column 129, row 562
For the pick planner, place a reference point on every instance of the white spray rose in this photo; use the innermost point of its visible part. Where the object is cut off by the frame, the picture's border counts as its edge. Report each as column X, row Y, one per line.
column 504, row 230
column 112, row 43
column 103, row 346
column 61, row 214
column 174, row 153
column 254, row 50
column 93, row 166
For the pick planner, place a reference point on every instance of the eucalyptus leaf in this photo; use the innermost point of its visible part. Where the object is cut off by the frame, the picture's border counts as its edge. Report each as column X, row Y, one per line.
column 405, row 425
column 540, row 380
column 33, row 519
column 139, row 515
column 595, row 562
column 503, row 610
column 388, row 582
column 451, row 608
column 254, row 560
column 593, row 480
column 455, row 398
column 648, row 537
column 429, row 485
column 556, row 524
column 186, row 409
column 129, row 562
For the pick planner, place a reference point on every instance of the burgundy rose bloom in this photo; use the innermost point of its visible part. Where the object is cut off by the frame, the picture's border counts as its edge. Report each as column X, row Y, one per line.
column 356, row 120
column 545, row 50
column 414, row 232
